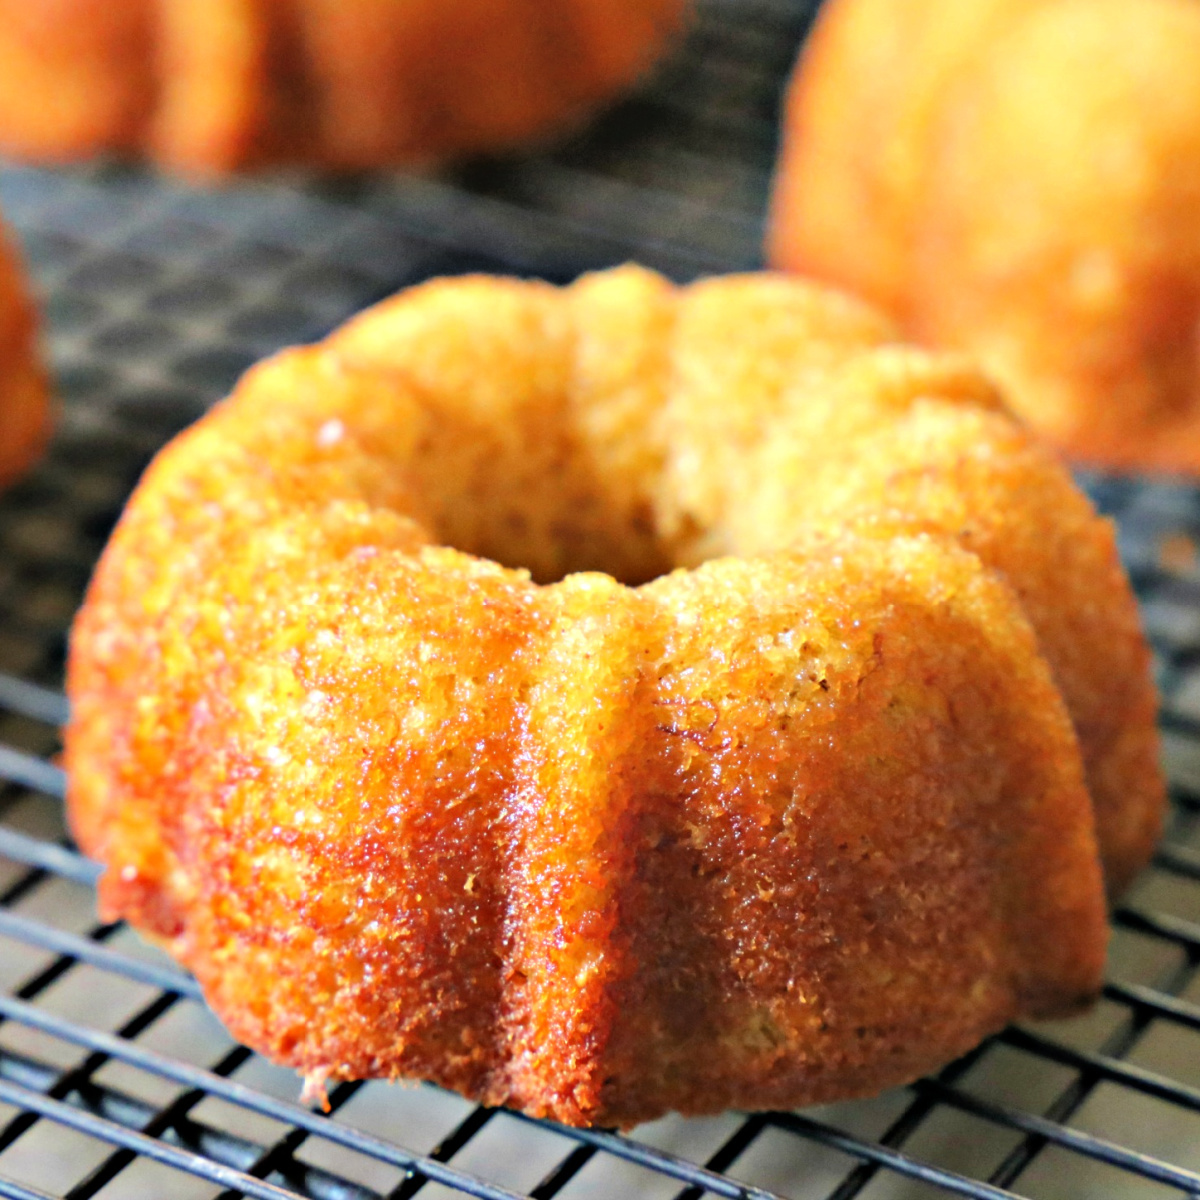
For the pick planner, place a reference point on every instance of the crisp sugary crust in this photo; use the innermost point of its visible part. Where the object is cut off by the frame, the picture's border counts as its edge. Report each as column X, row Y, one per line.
column 209, row 86
column 24, row 393
column 798, row 823
column 968, row 167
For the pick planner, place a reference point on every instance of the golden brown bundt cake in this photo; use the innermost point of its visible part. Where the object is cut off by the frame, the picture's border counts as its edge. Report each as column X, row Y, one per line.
column 815, row 804
column 24, row 394
column 209, row 86
column 1020, row 178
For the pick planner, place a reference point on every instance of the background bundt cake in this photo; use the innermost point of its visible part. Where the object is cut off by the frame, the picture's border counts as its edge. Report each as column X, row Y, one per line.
column 1020, row 178
column 24, row 394
column 213, row 85
column 814, row 799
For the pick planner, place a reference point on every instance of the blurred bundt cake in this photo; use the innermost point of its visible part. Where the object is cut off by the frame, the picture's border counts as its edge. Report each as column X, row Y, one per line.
column 210, row 86
column 24, row 393
column 545, row 820
column 1020, row 178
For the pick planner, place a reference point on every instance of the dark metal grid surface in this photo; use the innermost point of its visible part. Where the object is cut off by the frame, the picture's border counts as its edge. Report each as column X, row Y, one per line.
column 114, row 1079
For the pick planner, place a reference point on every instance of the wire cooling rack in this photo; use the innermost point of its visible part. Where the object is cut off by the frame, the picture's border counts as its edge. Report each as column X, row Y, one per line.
column 116, row 1082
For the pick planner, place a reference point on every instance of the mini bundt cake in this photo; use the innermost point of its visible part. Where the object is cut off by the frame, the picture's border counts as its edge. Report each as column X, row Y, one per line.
column 210, row 86
column 24, row 392
column 615, row 699
column 1019, row 178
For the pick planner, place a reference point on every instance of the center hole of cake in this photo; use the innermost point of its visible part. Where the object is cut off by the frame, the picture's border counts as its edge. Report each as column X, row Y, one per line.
column 563, row 538
column 550, row 509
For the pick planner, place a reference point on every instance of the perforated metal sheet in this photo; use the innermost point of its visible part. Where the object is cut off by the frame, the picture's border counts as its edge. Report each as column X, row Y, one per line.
column 114, row 1079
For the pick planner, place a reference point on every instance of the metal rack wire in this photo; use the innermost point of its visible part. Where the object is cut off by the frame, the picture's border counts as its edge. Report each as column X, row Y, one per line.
column 115, row 1081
